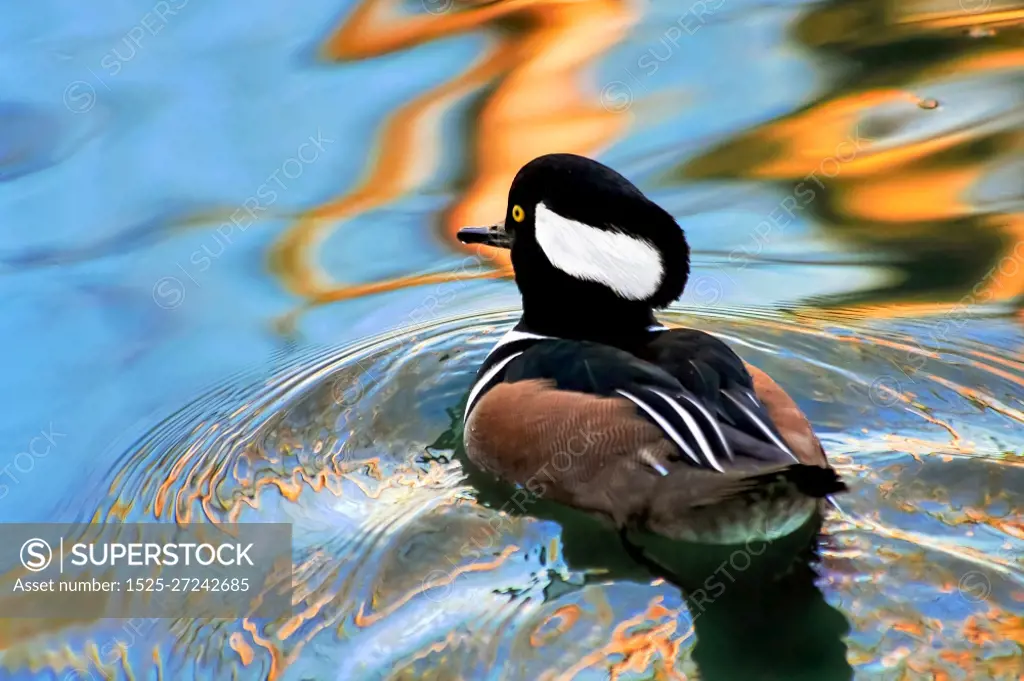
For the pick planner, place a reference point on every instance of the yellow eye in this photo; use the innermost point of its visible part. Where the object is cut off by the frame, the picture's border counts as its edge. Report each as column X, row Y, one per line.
column 518, row 214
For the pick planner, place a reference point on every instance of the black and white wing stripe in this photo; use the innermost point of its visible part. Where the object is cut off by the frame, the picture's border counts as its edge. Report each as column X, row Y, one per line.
column 744, row 410
column 711, row 437
column 716, row 377
column 686, row 422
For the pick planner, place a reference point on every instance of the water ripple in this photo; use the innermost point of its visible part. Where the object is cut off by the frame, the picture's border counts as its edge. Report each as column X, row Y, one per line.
column 399, row 573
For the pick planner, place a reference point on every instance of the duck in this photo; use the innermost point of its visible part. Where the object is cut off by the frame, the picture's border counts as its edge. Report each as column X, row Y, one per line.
column 588, row 401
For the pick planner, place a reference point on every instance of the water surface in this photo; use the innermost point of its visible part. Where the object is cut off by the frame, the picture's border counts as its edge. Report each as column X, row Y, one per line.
column 232, row 292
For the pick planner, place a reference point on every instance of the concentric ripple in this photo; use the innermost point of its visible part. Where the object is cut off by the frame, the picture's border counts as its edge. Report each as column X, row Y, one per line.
column 401, row 574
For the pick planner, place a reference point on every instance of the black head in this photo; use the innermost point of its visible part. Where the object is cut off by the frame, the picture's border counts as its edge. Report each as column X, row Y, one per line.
column 589, row 250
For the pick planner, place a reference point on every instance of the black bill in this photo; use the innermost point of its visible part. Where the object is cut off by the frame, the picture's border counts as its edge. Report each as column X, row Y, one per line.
column 495, row 235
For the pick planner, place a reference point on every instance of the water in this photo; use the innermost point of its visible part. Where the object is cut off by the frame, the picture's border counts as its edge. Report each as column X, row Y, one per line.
column 232, row 291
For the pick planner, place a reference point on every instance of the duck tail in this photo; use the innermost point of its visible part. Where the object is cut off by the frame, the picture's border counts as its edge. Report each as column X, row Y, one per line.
column 774, row 482
column 817, row 482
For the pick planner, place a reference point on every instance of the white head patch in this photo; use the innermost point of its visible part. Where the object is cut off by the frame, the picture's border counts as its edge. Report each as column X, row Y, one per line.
column 629, row 266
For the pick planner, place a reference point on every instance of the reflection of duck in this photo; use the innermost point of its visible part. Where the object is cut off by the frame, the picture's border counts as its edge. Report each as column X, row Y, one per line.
column 755, row 625
column 534, row 105
column 889, row 173
column 756, row 610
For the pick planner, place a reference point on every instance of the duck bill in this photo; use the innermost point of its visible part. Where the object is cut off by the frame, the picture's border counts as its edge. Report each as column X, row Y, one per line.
column 494, row 235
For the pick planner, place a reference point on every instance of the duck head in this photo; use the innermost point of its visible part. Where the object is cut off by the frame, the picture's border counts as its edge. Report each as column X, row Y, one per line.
column 592, row 255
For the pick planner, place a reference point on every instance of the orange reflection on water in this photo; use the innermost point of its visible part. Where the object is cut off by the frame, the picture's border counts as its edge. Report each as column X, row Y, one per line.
column 316, row 612
column 535, row 104
column 649, row 637
column 872, row 22
column 556, row 624
column 365, row 620
column 881, row 169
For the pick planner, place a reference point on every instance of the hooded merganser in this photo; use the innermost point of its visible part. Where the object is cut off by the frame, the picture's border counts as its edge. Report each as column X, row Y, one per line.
column 589, row 402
